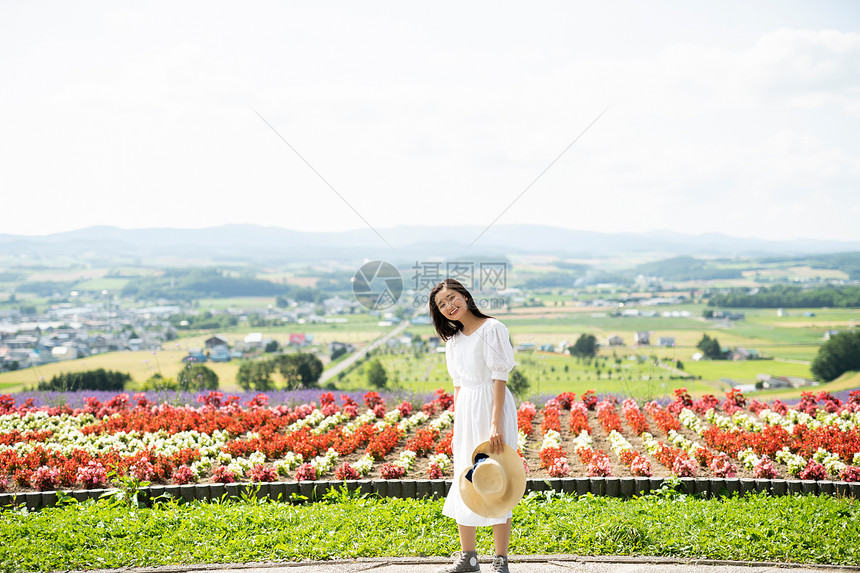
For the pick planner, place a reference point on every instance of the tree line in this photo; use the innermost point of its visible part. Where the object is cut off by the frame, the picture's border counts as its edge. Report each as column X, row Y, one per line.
column 783, row 296
column 297, row 370
column 99, row 379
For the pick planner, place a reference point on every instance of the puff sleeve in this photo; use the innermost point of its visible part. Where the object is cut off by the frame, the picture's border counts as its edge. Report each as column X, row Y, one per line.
column 498, row 352
column 451, row 363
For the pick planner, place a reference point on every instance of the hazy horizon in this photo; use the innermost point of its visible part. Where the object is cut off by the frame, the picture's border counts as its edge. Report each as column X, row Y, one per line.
column 363, row 228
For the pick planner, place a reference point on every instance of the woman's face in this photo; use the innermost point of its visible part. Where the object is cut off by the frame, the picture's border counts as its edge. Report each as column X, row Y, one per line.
column 451, row 304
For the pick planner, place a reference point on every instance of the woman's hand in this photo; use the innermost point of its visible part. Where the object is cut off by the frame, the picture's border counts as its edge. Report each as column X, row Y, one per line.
column 497, row 441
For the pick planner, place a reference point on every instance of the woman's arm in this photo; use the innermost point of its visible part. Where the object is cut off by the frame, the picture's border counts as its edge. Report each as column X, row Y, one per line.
column 497, row 440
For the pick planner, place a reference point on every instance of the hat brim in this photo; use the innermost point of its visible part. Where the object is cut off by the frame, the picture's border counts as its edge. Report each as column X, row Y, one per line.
column 497, row 505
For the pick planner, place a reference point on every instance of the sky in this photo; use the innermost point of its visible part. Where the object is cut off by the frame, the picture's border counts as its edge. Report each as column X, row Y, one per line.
column 734, row 117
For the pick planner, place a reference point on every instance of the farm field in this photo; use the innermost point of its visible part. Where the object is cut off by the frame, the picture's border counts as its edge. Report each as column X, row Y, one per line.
column 545, row 372
column 140, row 365
column 246, row 302
column 745, row 370
column 789, row 339
column 355, row 333
column 848, row 381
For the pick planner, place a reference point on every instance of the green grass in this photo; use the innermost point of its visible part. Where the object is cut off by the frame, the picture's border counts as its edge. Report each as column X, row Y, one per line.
column 104, row 283
column 544, row 371
column 790, row 351
column 799, row 529
column 744, row 370
column 246, row 302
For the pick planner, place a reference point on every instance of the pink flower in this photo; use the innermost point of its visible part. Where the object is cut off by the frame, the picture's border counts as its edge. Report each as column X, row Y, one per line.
column 183, row 475
column 684, row 467
column 142, row 470
column 722, row 466
column 405, row 409
column 373, row 399
column 223, row 475
column 45, row 478
column 351, row 410
column 262, row 473
column 813, row 470
column 764, row 469
column 599, row 466
column 559, row 467
column 640, row 466
column 850, row 473
column 92, row 475
column 345, row 472
column 528, row 408
column 391, row 471
column 329, row 409
column 306, row 472
column 434, row 471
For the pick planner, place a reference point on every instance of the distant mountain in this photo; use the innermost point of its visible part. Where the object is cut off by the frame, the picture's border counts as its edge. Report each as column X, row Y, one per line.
column 405, row 243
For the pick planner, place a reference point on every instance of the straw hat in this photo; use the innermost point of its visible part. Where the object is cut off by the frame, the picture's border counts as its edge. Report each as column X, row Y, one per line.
column 495, row 483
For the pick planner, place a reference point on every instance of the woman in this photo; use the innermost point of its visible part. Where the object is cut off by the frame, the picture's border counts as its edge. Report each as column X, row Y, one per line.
column 479, row 357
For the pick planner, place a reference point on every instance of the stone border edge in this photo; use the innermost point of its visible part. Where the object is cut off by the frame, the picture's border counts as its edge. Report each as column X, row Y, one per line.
column 626, row 487
column 523, row 559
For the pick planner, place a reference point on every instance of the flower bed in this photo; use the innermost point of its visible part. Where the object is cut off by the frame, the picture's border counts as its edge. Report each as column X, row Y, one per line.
column 222, row 439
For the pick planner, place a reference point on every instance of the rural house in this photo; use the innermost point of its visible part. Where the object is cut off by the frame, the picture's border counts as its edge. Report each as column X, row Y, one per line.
column 216, row 340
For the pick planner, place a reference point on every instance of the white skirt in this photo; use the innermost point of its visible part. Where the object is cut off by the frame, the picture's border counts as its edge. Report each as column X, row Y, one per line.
column 472, row 417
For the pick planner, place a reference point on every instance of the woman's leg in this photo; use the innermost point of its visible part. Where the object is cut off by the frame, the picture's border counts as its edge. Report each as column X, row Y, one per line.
column 501, row 537
column 467, row 537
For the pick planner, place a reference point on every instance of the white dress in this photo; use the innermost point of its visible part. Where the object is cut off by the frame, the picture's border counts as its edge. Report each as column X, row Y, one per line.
column 474, row 361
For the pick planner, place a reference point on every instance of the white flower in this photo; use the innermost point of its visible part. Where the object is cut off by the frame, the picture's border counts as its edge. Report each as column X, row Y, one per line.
column 521, row 440
column 618, row 443
column 691, row 421
column 290, row 462
column 406, row 460
column 364, row 464
column 329, row 423
column 748, row 458
column 325, row 462
column 412, row 421
column 794, row 462
column 551, row 439
column 582, row 441
column 443, row 421
column 237, row 468
column 392, row 417
column 442, row 460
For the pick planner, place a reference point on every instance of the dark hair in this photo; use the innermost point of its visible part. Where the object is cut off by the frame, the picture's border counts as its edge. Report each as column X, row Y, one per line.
column 448, row 328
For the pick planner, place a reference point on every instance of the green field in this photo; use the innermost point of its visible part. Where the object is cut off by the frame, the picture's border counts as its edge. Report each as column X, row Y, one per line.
column 247, row 302
column 104, row 283
column 140, row 365
column 744, row 370
column 545, row 372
